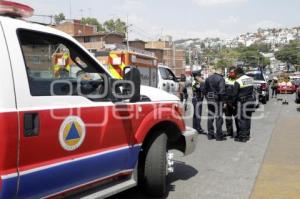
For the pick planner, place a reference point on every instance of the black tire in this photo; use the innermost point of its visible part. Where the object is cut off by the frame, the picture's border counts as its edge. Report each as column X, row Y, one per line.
column 155, row 174
column 297, row 100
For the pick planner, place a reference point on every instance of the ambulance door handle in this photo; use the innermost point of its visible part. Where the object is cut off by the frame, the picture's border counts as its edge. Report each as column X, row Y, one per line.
column 31, row 124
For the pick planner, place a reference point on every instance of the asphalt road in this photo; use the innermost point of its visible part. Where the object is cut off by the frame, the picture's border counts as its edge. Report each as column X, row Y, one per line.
column 223, row 170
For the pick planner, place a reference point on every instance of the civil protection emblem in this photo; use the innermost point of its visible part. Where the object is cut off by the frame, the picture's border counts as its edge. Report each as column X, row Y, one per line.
column 71, row 133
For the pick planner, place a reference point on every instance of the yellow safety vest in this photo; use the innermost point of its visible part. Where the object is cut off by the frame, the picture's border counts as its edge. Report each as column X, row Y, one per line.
column 245, row 81
column 230, row 81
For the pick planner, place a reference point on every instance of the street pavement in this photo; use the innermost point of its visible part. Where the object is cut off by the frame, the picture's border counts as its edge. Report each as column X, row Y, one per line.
column 279, row 175
column 223, row 170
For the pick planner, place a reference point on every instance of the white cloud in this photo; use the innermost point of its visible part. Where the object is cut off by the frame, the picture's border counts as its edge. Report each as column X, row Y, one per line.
column 217, row 2
column 230, row 20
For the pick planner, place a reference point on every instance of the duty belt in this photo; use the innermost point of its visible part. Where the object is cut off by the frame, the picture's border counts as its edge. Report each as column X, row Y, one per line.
column 245, row 98
column 211, row 95
column 198, row 95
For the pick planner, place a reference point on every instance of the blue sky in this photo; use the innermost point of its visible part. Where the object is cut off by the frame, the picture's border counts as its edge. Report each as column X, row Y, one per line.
column 180, row 18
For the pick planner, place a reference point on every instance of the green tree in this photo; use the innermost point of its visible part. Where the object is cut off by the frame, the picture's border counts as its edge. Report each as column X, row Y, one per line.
column 120, row 26
column 290, row 53
column 109, row 25
column 261, row 47
column 115, row 26
column 222, row 64
column 252, row 57
column 59, row 18
column 93, row 21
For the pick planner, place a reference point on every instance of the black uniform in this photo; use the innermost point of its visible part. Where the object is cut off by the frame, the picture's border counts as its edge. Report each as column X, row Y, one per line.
column 197, row 100
column 214, row 92
column 230, row 109
column 245, row 98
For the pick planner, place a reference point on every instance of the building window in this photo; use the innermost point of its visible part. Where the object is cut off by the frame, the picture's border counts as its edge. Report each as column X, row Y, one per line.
column 86, row 39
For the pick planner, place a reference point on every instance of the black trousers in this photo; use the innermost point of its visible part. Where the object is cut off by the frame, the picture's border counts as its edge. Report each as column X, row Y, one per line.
column 274, row 92
column 197, row 103
column 230, row 114
column 215, row 113
column 244, row 119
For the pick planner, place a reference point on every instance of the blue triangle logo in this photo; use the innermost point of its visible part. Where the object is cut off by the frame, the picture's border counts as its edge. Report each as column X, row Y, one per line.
column 73, row 133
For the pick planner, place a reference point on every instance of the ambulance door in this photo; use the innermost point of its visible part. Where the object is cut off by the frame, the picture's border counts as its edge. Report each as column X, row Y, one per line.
column 68, row 135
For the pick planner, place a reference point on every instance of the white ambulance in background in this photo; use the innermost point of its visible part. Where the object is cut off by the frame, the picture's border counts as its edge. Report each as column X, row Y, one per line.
column 167, row 80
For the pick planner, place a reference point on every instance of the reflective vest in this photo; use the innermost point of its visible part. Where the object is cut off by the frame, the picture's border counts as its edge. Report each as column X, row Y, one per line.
column 66, row 57
column 229, row 89
column 57, row 68
column 245, row 85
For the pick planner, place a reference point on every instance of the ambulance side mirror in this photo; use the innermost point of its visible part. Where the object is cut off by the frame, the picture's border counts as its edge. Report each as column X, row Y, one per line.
column 133, row 75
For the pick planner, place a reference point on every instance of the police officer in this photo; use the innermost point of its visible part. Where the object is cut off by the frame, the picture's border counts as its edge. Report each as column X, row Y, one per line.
column 197, row 87
column 244, row 90
column 230, row 108
column 214, row 92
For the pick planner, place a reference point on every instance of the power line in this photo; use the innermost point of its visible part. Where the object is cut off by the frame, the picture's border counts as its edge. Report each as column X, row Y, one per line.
column 142, row 35
column 146, row 34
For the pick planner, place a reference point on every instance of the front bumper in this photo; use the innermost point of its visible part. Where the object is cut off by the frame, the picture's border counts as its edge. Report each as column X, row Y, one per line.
column 190, row 136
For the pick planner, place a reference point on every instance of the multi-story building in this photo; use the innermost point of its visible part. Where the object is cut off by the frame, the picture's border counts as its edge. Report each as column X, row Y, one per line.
column 75, row 27
column 98, row 41
column 168, row 54
column 88, row 36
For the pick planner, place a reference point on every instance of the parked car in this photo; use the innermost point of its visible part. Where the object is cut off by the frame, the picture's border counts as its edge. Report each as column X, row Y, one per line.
column 261, row 85
column 286, row 88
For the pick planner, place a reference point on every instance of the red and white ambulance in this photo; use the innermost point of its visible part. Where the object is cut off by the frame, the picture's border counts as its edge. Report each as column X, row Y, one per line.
column 61, row 134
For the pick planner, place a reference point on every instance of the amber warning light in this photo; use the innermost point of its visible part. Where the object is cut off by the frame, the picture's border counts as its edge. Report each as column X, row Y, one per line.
column 15, row 10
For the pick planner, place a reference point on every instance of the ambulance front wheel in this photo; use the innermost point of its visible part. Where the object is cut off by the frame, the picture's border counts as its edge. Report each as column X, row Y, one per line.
column 155, row 172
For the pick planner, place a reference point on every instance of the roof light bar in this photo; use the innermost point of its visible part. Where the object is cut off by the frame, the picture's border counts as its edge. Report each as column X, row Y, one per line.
column 15, row 10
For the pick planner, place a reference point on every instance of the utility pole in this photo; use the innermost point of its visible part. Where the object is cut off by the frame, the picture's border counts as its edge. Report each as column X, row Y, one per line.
column 81, row 12
column 70, row 9
column 90, row 12
column 127, row 33
column 190, row 59
column 174, row 56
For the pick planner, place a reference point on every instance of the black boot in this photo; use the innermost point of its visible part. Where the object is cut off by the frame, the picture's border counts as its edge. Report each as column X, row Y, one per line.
column 220, row 137
column 240, row 139
column 210, row 136
column 200, row 131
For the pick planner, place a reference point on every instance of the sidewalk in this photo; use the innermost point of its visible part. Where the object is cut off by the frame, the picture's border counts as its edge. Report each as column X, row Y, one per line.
column 279, row 176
